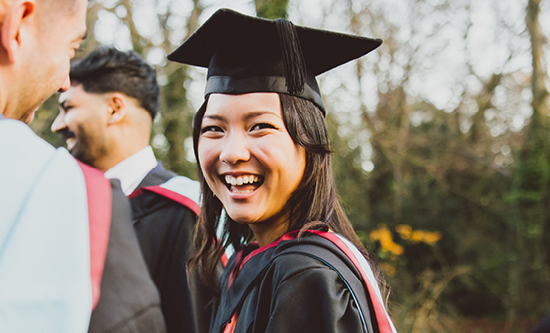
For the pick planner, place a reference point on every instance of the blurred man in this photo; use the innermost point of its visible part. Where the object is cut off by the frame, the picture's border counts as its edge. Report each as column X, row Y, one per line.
column 62, row 225
column 106, row 118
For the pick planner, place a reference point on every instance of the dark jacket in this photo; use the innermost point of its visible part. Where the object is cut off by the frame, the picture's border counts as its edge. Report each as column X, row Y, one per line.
column 129, row 300
column 164, row 226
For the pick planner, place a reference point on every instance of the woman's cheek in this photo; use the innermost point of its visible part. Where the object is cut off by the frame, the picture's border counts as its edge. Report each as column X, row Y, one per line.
column 207, row 158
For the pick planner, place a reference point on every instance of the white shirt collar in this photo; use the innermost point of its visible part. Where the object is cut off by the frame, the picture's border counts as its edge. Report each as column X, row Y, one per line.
column 133, row 169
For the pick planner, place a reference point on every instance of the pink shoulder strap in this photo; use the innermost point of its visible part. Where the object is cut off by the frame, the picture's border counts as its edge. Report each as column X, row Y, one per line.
column 177, row 197
column 183, row 200
column 98, row 190
column 379, row 310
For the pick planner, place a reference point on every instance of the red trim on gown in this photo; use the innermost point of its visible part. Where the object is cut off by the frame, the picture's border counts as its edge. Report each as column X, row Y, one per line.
column 98, row 190
column 379, row 310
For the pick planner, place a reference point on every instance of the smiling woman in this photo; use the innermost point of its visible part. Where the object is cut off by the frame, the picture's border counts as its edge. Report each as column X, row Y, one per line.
column 244, row 136
column 264, row 156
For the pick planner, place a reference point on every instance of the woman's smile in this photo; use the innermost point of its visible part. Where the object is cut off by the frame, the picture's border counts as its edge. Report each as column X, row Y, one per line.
column 248, row 158
column 242, row 183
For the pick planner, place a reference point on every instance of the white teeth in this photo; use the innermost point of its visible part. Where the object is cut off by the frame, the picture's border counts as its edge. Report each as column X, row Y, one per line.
column 234, row 190
column 230, row 180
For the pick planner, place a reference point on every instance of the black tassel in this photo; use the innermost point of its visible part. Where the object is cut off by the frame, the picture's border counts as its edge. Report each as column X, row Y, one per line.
column 293, row 58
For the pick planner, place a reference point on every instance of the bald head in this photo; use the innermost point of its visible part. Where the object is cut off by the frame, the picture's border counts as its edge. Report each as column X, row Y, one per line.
column 51, row 10
column 38, row 40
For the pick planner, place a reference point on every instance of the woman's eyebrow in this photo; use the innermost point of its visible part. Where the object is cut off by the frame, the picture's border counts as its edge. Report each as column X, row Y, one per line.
column 214, row 117
column 255, row 114
column 247, row 116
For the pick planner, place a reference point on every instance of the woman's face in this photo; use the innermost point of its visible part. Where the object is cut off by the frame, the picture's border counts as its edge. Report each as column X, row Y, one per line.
column 248, row 158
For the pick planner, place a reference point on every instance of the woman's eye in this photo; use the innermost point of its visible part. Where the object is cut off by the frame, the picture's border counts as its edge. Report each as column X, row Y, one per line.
column 211, row 129
column 262, row 126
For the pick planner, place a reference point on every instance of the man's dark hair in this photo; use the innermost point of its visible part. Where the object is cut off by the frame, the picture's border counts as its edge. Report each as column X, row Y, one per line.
column 109, row 70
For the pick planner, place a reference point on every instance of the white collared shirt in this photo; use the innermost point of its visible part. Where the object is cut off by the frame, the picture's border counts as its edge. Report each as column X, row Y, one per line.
column 133, row 169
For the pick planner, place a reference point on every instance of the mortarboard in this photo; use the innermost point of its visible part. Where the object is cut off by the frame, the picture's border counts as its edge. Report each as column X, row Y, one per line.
column 247, row 54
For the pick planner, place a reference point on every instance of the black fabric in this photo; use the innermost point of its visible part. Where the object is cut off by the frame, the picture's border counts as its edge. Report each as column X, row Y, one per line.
column 287, row 288
column 239, row 46
column 129, row 300
column 347, row 272
column 165, row 232
column 235, row 86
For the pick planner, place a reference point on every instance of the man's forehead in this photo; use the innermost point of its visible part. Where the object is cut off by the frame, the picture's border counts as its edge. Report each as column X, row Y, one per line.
column 67, row 95
column 77, row 92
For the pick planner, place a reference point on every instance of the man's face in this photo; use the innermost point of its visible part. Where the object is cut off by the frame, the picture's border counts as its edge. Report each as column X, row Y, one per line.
column 59, row 34
column 83, row 120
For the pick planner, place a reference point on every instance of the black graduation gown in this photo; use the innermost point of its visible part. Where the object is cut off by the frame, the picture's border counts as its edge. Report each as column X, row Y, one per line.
column 165, row 232
column 294, row 285
column 129, row 300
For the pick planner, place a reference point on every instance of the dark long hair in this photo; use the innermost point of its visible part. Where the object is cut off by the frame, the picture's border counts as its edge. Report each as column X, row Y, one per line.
column 312, row 206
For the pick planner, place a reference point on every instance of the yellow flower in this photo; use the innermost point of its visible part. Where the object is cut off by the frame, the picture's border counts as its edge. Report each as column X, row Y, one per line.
column 404, row 231
column 383, row 235
column 396, row 249
column 432, row 237
column 374, row 235
column 417, row 236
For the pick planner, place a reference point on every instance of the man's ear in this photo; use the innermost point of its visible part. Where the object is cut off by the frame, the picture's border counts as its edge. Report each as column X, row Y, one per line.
column 10, row 34
column 117, row 104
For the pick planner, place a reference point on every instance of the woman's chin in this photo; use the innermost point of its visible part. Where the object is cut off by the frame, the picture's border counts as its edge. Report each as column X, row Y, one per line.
column 242, row 218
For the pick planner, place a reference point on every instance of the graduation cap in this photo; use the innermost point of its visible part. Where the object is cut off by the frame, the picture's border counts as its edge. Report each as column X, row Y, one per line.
column 247, row 54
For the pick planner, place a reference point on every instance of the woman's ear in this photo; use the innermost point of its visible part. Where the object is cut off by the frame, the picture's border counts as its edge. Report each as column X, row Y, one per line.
column 15, row 16
column 117, row 104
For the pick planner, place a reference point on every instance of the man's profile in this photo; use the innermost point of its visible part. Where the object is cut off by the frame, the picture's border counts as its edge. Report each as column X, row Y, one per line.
column 62, row 224
column 106, row 117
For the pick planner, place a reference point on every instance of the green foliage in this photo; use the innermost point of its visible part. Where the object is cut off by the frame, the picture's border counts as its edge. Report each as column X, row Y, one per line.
column 271, row 9
column 529, row 198
column 43, row 120
column 175, row 124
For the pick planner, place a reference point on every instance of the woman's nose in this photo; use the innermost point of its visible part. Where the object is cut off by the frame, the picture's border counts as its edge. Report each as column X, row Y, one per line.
column 235, row 149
